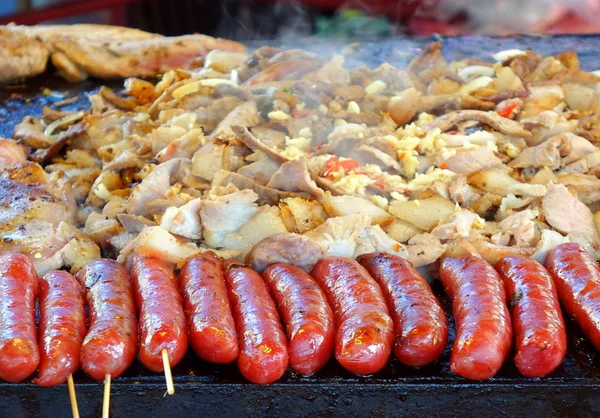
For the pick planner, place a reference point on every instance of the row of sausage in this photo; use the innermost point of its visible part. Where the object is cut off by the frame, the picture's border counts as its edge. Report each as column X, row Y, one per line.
column 360, row 311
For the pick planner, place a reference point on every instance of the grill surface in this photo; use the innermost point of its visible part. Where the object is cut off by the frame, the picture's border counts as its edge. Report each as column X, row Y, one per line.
column 209, row 390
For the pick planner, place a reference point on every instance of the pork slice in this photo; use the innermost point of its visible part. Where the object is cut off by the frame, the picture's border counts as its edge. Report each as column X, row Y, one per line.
column 293, row 176
column 287, row 248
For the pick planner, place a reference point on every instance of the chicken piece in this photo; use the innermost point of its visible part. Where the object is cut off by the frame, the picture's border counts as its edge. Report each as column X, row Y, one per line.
column 101, row 229
column 267, row 195
column 375, row 239
column 470, row 161
column 499, row 182
column 154, row 241
column 114, row 56
column 301, row 215
column 245, row 115
column 183, row 147
column 548, row 240
column 260, row 169
column 509, row 203
column 565, row 213
column 270, row 137
column 492, row 253
column 401, row 231
column 184, row 220
column 31, row 132
column 21, row 56
column 214, row 156
column 255, row 144
column 547, row 154
column 521, row 226
column 227, row 214
column 292, row 69
column 458, row 225
column 338, row 235
column 424, row 249
column 293, row 249
column 430, row 66
column 11, row 153
column 266, row 222
column 36, row 219
column 134, row 224
column 460, row 191
column 293, row 176
column 155, row 185
column 497, row 122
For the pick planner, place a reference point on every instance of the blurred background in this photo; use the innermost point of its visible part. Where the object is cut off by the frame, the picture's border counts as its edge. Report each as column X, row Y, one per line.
column 267, row 19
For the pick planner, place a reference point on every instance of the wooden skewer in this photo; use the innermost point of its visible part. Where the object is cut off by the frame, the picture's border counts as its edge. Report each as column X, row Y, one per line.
column 72, row 396
column 106, row 401
column 168, row 375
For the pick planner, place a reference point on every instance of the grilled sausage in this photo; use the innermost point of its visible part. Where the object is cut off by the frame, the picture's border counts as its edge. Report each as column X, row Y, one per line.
column 540, row 334
column 110, row 345
column 306, row 314
column 62, row 327
column 263, row 347
column 364, row 330
column 161, row 320
column 577, row 279
column 210, row 321
column 420, row 324
column 483, row 328
column 19, row 356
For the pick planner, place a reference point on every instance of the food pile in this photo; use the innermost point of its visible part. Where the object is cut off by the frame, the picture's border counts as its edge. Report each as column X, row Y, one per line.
column 279, row 156
column 279, row 163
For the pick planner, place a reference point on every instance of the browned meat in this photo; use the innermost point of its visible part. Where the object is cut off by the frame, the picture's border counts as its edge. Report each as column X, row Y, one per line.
column 284, row 248
column 506, row 126
column 35, row 220
column 20, row 55
column 11, row 153
column 293, row 176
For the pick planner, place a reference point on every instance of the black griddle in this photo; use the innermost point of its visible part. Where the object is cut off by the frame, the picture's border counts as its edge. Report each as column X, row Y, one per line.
column 220, row 391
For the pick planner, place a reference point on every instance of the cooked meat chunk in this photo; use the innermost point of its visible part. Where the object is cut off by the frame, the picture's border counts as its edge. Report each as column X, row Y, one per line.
column 287, row 248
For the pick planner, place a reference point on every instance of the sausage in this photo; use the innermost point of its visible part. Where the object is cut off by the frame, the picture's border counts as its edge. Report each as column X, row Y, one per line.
column 540, row 334
column 306, row 314
column 419, row 321
column 19, row 356
column 110, row 345
column 364, row 330
column 210, row 321
column 577, row 279
column 161, row 319
column 263, row 348
column 62, row 327
column 483, row 328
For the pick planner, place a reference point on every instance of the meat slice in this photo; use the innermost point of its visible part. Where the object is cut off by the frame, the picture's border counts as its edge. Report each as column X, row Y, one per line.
column 339, row 235
column 547, row 154
column 293, row 176
column 20, row 55
column 35, row 219
column 497, row 122
column 227, row 214
column 565, row 213
column 288, row 248
column 11, row 153
column 470, row 161
column 257, row 145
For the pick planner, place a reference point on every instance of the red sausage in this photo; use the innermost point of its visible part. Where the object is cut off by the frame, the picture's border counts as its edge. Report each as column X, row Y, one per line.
column 540, row 334
column 161, row 319
column 577, row 279
column 110, row 345
column 263, row 347
column 62, row 327
column 483, row 329
column 306, row 314
column 419, row 321
column 19, row 356
column 364, row 330
column 210, row 321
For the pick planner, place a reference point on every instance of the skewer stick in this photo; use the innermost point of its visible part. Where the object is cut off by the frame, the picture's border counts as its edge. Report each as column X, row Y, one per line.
column 106, row 401
column 168, row 375
column 72, row 396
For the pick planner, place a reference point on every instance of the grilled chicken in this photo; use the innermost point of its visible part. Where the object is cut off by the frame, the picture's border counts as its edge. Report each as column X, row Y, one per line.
column 35, row 219
column 100, row 51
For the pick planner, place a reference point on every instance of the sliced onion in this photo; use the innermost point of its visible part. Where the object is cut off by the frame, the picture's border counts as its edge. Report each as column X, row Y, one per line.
column 194, row 86
column 509, row 53
column 62, row 123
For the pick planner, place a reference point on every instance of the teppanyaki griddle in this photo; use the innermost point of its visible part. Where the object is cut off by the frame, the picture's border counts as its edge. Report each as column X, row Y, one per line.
column 219, row 391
